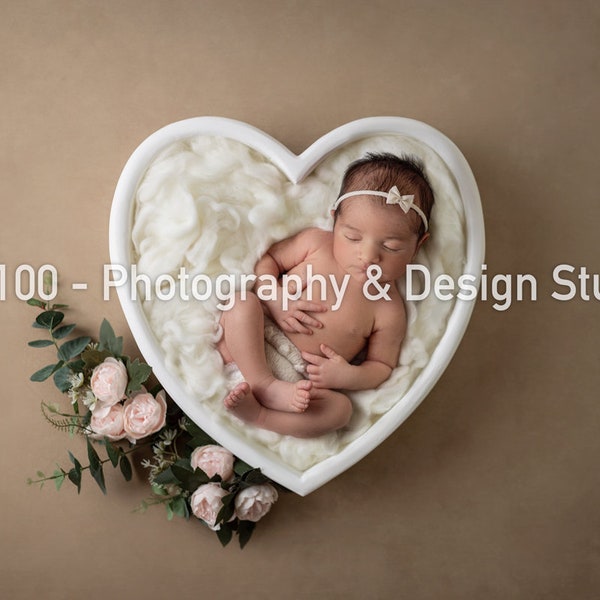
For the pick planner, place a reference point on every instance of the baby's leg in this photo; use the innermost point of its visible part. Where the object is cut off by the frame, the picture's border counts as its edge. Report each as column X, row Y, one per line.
column 243, row 343
column 328, row 411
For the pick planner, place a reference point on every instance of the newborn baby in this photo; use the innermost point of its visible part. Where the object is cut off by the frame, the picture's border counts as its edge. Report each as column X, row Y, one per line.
column 380, row 220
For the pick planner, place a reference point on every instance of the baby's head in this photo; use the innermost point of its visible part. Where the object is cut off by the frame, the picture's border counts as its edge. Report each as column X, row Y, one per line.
column 382, row 213
column 380, row 172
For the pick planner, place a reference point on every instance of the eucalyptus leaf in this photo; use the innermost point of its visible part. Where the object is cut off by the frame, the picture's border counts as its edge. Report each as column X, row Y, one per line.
column 166, row 477
column 108, row 340
column 95, row 465
column 184, row 463
column 225, row 533
column 98, row 475
column 227, row 510
column 75, row 462
column 113, row 452
column 92, row 455
column 45, row 372
column 40, row 343
column 180, row 507
column 200, row 440
column 59, row 478
column 62, row 379
column 49, row 319
column 74, row 476
column 36, row 302
column 125, row 466
column 255, row 477
column 63, row 332
column 189, row 480
column 138, row 373
column 73, row 348
column 196, row 432
column 241, row 468
column 245, row 530
column 228, row 500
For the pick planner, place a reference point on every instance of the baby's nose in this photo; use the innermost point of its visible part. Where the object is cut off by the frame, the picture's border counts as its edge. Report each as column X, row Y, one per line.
column 370, row 256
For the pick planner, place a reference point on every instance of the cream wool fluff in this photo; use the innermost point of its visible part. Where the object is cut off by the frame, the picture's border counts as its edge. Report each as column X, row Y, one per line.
column 213, row 206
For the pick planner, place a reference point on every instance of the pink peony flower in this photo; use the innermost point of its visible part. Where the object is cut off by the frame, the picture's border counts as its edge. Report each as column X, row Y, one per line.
column 206, row 502
column 110, row 426
column 254, row 502
column 108, row 383
column 143, row 415
column 213, row 460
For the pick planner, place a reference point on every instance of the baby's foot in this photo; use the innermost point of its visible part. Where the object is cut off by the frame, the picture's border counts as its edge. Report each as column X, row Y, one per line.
column 242, row 403
column 285, row 396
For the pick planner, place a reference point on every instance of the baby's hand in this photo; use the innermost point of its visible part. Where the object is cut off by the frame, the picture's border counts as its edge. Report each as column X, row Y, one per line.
column 326, row 371
column 296, row 318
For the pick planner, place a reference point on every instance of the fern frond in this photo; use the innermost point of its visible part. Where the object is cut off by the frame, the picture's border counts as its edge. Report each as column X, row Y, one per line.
column 63, row 422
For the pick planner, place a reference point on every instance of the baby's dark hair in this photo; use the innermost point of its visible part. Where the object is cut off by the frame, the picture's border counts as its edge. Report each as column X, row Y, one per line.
column 381, row 171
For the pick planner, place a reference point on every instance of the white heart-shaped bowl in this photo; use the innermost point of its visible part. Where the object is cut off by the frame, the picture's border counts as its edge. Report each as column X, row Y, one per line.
column 296, row 168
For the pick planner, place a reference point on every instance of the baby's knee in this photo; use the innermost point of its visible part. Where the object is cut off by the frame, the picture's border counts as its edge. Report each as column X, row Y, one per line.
column 244, row 305
column 343, row 411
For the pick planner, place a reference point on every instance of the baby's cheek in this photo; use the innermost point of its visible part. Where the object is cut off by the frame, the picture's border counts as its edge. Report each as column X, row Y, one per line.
column 396, row 268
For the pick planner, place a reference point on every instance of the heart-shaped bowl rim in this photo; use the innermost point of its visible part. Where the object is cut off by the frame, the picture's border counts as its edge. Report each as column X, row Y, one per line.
column 296, row 167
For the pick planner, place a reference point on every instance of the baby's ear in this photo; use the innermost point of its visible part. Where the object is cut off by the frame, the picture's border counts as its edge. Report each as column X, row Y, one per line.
column 424, row 238
column 332, row 213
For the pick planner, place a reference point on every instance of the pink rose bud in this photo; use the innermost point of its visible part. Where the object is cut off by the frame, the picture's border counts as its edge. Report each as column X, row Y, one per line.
column 206, row 502
column 254, row 502
column 110, row 426
column 144, row 415
column 109, row 381
column 213, row 460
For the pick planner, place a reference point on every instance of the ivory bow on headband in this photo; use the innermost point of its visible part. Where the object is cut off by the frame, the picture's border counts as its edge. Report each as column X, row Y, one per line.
column 405, row 202
column 394, row 197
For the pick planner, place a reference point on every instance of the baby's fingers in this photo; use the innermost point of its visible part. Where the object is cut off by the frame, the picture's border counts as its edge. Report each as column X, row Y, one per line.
column 310, row 306
column 293, row 325
column 302, row 317
column 313, row 359
column 329, row 352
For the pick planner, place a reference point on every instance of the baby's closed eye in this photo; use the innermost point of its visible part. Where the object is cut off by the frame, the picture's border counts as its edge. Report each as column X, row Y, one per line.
column 393, row 248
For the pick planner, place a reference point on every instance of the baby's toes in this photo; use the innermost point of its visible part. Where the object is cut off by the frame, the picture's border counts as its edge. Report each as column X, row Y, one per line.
column 304, row 385
column 236, row 395
column 300, row 404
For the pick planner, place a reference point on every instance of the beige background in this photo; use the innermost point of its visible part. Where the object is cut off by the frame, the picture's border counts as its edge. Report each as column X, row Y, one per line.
column 491, row 489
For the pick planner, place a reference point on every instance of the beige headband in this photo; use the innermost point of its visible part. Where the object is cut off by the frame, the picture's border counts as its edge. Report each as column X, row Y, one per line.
column 405, row 202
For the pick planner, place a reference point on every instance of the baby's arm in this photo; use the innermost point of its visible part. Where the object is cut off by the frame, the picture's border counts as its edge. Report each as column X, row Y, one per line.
column 282, row 257
column 332, row 371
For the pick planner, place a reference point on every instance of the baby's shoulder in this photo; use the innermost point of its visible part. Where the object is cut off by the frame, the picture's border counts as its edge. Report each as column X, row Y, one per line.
column 391, row 314
column 316, row 233
column 315, row 238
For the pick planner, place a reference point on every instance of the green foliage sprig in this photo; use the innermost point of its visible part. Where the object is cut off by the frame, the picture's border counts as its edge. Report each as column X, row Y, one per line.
column 172, row 478
column 77, row 358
